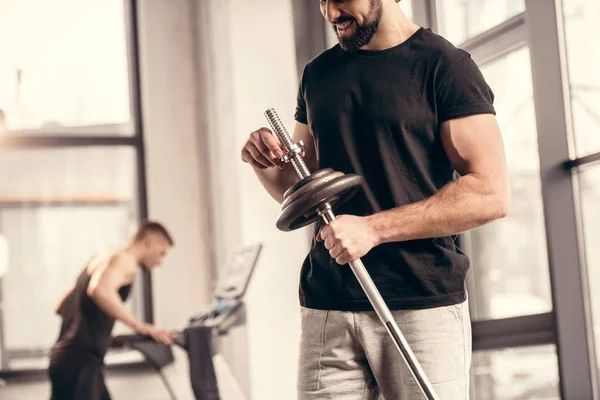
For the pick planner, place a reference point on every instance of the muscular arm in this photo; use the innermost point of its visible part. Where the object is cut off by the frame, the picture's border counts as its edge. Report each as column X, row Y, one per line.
column 275, row 180
column 475, row 149
column 104, row 286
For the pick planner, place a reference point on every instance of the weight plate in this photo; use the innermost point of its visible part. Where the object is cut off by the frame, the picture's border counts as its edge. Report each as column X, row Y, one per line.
column 309, row 184
column 302, row 210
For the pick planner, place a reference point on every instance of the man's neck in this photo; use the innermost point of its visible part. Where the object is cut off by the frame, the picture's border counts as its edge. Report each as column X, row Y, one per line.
column 394, row 28
column 133, row 251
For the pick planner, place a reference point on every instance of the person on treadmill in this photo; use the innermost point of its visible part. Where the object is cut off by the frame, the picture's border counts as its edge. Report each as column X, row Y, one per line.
column 90, row 308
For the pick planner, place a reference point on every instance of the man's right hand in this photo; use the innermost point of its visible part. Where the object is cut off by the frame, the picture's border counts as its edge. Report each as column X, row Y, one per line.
column 159, row 335
column 263, row 150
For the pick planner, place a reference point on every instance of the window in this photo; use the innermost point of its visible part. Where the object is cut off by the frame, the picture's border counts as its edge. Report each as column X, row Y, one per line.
column 516, row 374
column 64, row 65
column 509, row 257
column 463, row 19
column 93, row 174
column 518, row 44
column 70, row 189
column 58, row 208
column 589, row 185
column 581, row 25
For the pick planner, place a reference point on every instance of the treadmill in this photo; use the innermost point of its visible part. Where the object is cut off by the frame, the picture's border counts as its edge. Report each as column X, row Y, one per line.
column 226, row 311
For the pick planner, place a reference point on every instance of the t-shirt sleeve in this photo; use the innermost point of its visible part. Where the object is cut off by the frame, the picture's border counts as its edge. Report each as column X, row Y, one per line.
column 300, row 114
column 463, row 91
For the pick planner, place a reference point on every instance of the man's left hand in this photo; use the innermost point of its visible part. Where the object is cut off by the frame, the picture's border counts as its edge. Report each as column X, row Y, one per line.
column 348, row 238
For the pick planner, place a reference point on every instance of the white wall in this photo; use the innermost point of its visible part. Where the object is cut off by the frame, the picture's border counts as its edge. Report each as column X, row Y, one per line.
column 247, row 66
column 177, row 191
column 265, row 76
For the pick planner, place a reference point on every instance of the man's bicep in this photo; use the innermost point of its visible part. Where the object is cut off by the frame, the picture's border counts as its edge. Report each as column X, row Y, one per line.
column 474, row 145
column 302, row 132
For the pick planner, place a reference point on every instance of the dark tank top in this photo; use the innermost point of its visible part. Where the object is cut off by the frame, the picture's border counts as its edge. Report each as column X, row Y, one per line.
column 85, row 327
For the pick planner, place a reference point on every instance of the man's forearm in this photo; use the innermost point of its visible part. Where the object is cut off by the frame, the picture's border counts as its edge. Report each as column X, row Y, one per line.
column 463, row 204
column 276, row 181
column 111, row 304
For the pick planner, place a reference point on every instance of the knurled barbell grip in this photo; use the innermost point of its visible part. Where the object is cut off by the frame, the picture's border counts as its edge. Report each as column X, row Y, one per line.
column 294, row 151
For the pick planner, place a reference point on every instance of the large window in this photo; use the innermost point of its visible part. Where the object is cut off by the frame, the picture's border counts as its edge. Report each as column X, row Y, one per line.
column 516, row 374
column 461, row 20
column 589, row 183
column 582, row 22
column 71, row 172
column 64, row 65
column 527, row 291
column 510, row 271
column 510, row 261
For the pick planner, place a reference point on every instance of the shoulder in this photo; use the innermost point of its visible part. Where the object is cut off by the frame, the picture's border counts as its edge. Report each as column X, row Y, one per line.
column 436, row 45
column 439, row 52
column 323, row 60
column 121, row 261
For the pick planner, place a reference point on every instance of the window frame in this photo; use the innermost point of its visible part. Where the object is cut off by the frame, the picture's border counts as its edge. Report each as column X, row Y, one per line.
column 94, row 136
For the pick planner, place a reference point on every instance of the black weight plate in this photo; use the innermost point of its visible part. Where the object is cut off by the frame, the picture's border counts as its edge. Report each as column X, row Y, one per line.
column 312, row 215
column 302, row 211
column 316, row 175
column 308, row 185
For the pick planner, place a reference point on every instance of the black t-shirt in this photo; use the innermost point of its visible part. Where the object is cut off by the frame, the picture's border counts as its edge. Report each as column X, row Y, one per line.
column 85, row 327
column 378, row 114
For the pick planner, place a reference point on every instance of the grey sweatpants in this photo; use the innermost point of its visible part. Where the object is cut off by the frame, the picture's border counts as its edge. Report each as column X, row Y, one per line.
column 349, row 355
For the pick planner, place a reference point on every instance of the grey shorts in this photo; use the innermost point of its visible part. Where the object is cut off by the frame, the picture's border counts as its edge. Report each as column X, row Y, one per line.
column 349, row 355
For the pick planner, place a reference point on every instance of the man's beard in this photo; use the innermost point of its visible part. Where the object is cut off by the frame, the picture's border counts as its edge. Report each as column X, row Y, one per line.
column 363, row 33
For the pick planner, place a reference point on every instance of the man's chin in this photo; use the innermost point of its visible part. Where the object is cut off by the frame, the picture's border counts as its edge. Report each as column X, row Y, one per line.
column 349, row 46
column 346, row 41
